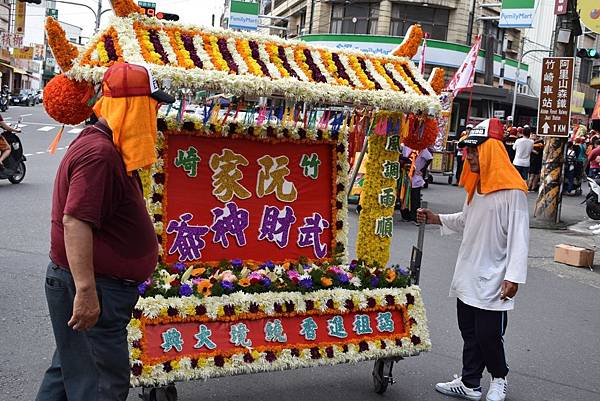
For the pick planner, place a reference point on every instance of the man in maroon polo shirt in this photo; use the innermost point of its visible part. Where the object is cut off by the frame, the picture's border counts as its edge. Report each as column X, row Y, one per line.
column 102, row 243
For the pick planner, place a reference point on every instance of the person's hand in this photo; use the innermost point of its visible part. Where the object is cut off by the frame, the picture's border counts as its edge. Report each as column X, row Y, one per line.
column 509, row 290
column 16, row 130
column 86, row 310
column 427, row 216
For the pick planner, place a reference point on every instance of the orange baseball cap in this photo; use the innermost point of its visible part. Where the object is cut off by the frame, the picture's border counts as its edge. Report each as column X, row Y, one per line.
column 128, row 80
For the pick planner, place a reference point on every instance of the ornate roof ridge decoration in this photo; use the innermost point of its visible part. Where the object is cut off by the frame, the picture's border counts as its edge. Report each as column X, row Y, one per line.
column 252, row 64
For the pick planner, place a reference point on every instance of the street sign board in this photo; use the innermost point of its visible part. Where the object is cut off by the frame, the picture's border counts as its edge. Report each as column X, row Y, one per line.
column 560, row 7
column 554, row 108
column 517, row 13
column 243, row 15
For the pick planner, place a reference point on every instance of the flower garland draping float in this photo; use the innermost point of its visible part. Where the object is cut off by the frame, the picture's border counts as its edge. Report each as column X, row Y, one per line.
column 249, row 202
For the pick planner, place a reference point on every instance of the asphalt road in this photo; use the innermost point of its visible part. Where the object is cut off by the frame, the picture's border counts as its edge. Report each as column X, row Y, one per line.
column 553, row 338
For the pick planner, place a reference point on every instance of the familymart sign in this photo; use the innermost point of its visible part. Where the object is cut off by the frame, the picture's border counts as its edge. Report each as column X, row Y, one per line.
column 243, row 15
column 517, row 13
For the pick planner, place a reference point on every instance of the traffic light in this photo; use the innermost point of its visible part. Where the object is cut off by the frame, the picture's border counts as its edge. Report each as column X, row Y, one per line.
column 31, row 1
column 588, row 53
column 148, row 8
column 167, row 16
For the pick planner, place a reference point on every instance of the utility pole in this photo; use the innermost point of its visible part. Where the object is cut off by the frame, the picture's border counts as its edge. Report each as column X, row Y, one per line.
column 547, row 206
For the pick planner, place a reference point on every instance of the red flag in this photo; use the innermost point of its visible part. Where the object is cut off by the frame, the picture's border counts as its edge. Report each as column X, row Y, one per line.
column 464, row 76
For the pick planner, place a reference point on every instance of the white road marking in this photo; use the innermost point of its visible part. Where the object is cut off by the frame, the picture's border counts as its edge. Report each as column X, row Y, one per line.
column 28, row 154
column 8, row 118
column 25, row 115
column 39, row 153
column 21, row 125
column 75, row 131
column 46, row 128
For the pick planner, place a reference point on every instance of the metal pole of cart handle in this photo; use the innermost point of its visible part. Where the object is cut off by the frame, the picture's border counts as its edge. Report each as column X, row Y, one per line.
column 417, row 252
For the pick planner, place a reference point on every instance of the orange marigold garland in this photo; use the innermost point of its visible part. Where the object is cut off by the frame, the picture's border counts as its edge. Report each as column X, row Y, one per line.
column 66, row 100
column 436, row 79
column 123, row 8
column 421, row 132
column 64, row 51
column 410, row 44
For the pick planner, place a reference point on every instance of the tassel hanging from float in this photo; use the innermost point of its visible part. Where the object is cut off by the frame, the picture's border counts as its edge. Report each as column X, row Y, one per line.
column 261, row 114
column 56, row 140
column 237, row 111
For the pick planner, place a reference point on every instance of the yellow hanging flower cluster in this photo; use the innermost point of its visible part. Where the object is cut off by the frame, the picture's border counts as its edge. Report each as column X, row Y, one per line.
column 331, row 67
column 300, row 59
column 364, row 80
column 102, row 54
column 243, row 48
column 183, row 55
column 212, row 48
column 373, row 244
column 379, row 68
column 272, row 51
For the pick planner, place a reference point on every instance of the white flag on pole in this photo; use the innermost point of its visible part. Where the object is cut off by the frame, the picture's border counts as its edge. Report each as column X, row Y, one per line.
column 465, row 75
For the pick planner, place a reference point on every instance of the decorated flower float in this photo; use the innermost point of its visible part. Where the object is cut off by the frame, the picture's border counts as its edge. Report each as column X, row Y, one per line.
column 249, row 198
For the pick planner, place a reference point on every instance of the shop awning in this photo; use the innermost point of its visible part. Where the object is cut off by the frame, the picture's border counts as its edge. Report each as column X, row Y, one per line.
column 20, row 71
column 7, row 65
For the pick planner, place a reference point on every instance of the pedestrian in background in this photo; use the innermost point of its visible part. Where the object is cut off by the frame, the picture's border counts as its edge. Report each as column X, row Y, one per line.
column 594, row 158
column 535, row 167
column 492, row 260
column 571, row 167
column 509, row 141
column 460, row 156
column 422, row 161
column 523, row 147
column 102, row 241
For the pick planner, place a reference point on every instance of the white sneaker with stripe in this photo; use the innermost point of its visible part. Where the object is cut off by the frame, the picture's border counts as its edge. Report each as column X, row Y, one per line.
column 497, row 391
column 456, row 388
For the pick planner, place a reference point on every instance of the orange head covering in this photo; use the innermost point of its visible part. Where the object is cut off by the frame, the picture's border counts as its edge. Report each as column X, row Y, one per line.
column 133, row 123
column 130, row 104
column 496, row 172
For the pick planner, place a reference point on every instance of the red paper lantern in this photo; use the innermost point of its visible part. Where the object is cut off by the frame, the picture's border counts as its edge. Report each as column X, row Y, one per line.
column 66, row 100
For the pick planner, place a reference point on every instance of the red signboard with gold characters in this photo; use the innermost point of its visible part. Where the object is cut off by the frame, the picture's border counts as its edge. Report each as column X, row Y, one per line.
column 250, row 198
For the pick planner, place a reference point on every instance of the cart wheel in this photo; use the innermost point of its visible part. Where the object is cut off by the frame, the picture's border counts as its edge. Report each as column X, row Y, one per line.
column 168, row 393
column 382, row 375
column 429, row 178
column 450, row 179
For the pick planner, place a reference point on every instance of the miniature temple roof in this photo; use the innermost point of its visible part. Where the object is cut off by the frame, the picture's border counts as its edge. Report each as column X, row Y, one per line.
column 252, row 64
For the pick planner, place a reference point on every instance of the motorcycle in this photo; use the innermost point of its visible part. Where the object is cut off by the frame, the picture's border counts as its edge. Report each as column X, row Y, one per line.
column 592, row 206
column 14, row 166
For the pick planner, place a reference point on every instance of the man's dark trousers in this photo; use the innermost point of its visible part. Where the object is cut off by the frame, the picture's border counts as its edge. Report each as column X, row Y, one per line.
column 91, row 365
column 482, row 332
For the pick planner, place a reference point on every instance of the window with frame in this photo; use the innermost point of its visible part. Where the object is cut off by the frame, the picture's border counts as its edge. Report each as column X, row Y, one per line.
column 433, row 20
column 355, row 18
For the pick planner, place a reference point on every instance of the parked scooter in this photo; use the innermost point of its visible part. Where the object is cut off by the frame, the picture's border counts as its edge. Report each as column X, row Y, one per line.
column 14, row 166
column 592, row 206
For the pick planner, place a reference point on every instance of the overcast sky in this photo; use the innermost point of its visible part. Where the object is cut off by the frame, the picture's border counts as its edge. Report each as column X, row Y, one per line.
column 198, row 12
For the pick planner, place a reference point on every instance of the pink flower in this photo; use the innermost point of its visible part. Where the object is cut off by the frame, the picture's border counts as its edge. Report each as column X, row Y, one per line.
column 294, row 276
